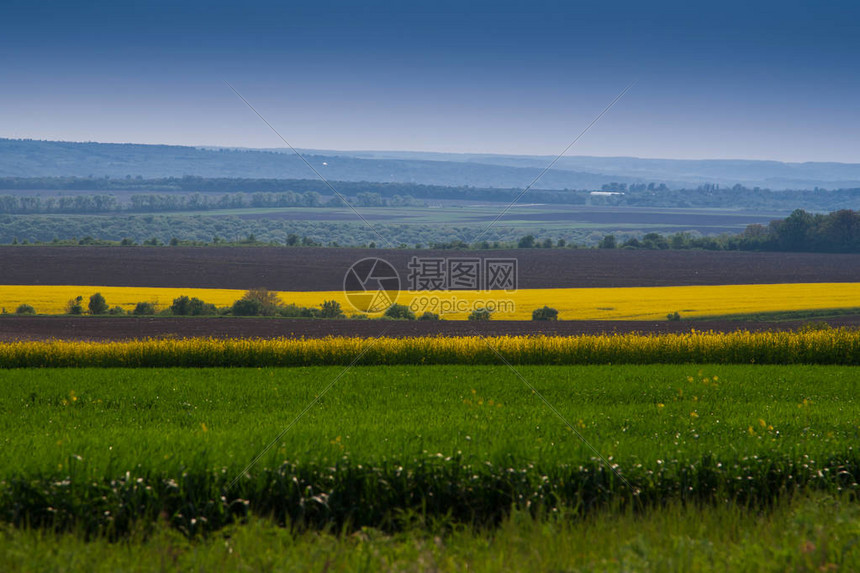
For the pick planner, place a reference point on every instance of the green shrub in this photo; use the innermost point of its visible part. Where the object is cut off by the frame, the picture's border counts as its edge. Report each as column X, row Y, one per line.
column 480, row 314
column 399, row 312
column 608, row 242
column 331, row 309
column 117, row 311
column 545, row 313
column 527, row 242
column 25, row 309
column 97, row 304
column 296, row 311
column 75, row 305
column 184, row 306
column 143, row 308
column 673, row 316
column 247, row 307
column 269, row 303
column 429, row 316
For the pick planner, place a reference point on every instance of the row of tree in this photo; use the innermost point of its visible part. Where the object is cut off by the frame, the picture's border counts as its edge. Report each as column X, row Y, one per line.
column 161, row 202
column 837, row 232
column 652, row 194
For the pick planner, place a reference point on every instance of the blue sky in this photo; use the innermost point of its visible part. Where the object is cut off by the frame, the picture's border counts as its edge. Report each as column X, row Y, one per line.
column 757, row 80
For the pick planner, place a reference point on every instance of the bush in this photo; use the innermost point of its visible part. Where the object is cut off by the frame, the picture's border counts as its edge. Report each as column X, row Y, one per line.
column 545, row 313
column 184, row 306
column 399, row 312
column 143, row 308
column 296, row 311
column 673, row 316
column 331, row 309
column 97, row 304
column 25, row 309
column 75, row 306
column 429, row 316
column 117, row 311
column 527, row 242
column 480, row 314
column 269, row 303
column 608, row 242
column 180, row 306
column 247, row 307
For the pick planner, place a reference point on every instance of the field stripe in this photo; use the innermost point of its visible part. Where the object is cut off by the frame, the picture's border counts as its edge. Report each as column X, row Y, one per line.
column 625, row 303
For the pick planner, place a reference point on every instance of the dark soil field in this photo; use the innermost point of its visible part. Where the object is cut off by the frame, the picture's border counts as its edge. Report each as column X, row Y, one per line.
column 14, row 328
column 316, row 269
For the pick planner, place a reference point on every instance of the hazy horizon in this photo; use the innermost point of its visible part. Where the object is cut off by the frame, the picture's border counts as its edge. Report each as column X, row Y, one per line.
column 327, row 151
column 739, row 81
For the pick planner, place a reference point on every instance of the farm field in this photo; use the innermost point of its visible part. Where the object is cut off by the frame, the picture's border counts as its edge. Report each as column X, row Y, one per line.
column 527, row 217
column 626, row 303
column 94, row 328
column 409, row 459
column 808, row 346
column 675, row 431
column 323, row 269
column 679, row 449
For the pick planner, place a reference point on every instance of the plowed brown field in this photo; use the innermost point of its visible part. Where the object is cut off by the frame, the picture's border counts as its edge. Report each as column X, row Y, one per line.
column 104, row 329
column 321, row 269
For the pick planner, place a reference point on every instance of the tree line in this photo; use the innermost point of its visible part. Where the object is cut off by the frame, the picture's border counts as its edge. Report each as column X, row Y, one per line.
column 192, row 193
column 160, row 202
column 836, row 232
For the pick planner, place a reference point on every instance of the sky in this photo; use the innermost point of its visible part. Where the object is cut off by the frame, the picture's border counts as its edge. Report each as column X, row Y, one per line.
column 747, row 80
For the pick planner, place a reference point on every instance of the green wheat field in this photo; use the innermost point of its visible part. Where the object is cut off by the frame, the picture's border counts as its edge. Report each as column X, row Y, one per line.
column 431, row 467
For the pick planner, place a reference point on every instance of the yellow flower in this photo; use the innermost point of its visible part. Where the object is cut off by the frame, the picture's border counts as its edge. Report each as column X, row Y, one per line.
column 573, row 303
column 694, row 415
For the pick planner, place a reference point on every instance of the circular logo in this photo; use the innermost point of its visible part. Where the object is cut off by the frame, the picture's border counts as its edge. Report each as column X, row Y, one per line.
column 371, row 285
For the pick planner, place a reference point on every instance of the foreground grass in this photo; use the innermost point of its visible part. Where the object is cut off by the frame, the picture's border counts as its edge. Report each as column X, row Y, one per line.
column 809, row 533
column 103, row 450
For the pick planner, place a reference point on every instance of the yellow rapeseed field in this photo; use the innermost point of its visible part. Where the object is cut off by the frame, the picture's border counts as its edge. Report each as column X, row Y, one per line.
column 831, row 346
column 639, row 303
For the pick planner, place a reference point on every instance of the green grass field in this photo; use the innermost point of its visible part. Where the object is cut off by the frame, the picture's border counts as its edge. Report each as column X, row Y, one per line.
column 107, row 451
column 810, row 533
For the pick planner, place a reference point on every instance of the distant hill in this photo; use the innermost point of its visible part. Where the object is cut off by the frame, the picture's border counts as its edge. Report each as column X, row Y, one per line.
column 29, row 158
